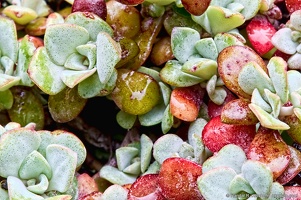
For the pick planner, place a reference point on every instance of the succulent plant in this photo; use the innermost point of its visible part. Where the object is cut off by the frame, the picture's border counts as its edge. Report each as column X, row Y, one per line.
column 287, row 40
column 39, row 164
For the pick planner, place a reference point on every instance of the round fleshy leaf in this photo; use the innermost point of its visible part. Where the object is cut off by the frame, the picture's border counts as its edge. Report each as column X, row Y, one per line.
column 183, row 40
column 61, row 41
column 217, row 19
column 215, row 183
column 282, row 40
column 17, row 190
column 154, row 116
column 231, row 156
column 15, row 145
column 66, row 105
column 253, row 76
column 34, row 165
column 8, row 39
column 6, row 99
column 223, row 40
column 166, row 146
column 294, row 80
column 63, row 138
column 115, row 192
column 269, row 148
column 115, row 176
column 134, row 168
column 108, row 55
column 91, row 86
column 125, row 120
column 239, row 185
column 63, row 164
column 135, row 93
column 231, row 61
column 172, row 74
column 145, row 152
column 29, row 104
column 124, row 156
column 277, row 191
column 207, row 48
column 200, row 67
column 21, row 15
column 44, row 73
column 196, row 127
column 91, row 22
column 293, row 168
column 88, row 50
column 259, row 176
column 41, row 187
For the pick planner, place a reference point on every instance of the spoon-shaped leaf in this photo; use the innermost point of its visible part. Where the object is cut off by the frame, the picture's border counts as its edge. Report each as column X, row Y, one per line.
column 108, row 55
column 44, row 73
column 215, row 183
column 63, row 164
column 61, row 41
column 17, row 190
column 259, row 176
column 34, row 165
column 66, row 105
column 15, row 145
column 269, row 148
column 8, row 39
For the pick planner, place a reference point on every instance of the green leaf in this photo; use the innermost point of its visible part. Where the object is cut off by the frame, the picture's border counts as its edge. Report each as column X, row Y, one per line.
column 44, row 73
column 167, row 121
column 125, row 120
column 115, row 176
column 15, row 146
column 108, row 55
column 145, row 152
column 71, row 78
column 124, row 156
column 183, row 40
column 63, row 164
column 66, row 105
column 61, row 41
column 6, row 99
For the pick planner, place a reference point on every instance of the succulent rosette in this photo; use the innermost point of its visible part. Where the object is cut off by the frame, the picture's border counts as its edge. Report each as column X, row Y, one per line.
column 80, row 52
column 39, row 164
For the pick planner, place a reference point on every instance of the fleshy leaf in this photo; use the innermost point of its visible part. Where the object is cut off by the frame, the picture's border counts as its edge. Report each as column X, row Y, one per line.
column 63, row 164
column 259, row 176
column 166, row 92
column 21, row 15
column 253, row 76
column 71, row 78
column 282, row 40
column 91, row 86
column 75, row 62
column 124, row 156
column 115, row 192
column 215, row 183
column 217, row 19
column 6, row 99
column 134, row 168
column 17, row 190
column 61, row 41
column 223, row 40
column 39, row 6
column 274, row 101
column 207, row 48
column 167, row 121
column 200, row 67
column 108, row 55
column 294, row 80
column 145, row 152
column 258, row 100
column 183, row 40
column 44, row 73
column 125, row 120
column 41, row 187
column 8, row 39
column 239, row 184
column 266, row 119
column 172, row 74
column 115, row 176
column 15, row 145
column 34, row 165
column 277, row 71
column 66, row 105
column 88, row 50
column 7, row 81
column 154, row 116
column 166, row 146
column 91, row 22
column 231, row 156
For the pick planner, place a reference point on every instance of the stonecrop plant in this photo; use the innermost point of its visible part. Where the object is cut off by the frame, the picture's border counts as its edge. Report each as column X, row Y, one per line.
column 150, row 99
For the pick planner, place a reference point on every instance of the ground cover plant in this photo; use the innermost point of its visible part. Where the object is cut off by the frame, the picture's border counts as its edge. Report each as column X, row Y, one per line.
column 148, row 99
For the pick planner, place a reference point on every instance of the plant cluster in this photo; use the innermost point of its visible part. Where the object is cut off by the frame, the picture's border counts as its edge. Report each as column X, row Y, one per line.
column 219, row 79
